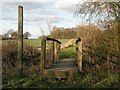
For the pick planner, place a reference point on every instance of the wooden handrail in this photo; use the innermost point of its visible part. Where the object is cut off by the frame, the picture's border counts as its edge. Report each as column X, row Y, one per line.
column 52, row 39
column 78, row 40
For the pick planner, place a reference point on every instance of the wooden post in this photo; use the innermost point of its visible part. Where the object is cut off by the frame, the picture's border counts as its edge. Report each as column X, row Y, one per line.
column 52, row 52
column 20, row 37
column 55, row 52
column 58, row 50
column 79, row 54
column 43, row 54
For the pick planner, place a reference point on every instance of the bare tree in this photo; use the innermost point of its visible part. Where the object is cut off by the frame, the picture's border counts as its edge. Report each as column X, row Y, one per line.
column 48, row 24
column 41, row 29
column 99, row 11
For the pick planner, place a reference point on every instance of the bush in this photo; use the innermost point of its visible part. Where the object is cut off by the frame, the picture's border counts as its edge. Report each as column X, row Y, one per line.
column 31, row 58
column 101, row 49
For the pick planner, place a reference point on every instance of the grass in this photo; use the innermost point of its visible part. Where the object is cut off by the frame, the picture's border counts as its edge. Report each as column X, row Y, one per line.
column 33, row 42
column 68, row 52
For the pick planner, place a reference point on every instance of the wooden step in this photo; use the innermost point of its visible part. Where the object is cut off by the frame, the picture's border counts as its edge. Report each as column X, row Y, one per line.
column 65, row 68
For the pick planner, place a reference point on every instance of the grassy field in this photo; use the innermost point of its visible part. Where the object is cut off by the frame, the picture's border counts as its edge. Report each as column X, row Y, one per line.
column 33, row 42
column 68, row 52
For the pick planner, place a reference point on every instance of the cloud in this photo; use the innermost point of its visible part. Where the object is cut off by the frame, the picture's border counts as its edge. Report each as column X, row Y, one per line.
column 38, row 13
column 24, row 0
column 67, row 5
column 44, row 8
column 8, row 19
column 41, row 11
column 50, row 19
column 27, row 5
column 31, row 20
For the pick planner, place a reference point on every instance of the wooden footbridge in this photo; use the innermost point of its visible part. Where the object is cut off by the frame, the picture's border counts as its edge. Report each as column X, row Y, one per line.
column 59, row 68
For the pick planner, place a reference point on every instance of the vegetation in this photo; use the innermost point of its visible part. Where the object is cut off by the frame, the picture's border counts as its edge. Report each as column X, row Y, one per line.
column 100, row 54
column 62, row 33
column 10, row 61
column 11, row 34
column 100, row 62
column 104, row 13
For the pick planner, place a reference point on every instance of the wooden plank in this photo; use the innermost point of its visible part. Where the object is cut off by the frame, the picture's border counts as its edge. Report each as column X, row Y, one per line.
column 20, row 37
column 52, row 39
column 64, row 63
column 79, row 53
column 65, row 68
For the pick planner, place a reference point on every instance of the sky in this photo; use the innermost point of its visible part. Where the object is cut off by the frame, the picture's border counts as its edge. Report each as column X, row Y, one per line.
column 37, row 15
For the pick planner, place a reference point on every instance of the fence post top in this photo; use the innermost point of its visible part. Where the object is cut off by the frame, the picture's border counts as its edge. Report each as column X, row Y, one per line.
column 43, row 37
column 78, row 40
column 20, row 6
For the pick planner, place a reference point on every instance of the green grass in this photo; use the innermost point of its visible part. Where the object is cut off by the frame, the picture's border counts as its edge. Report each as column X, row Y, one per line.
column 81, row 80
column 63, row 40
column 33, row 42
column 37, row 42
column 68, row 52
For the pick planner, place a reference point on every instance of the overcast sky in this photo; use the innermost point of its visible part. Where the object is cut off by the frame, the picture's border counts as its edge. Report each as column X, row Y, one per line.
column 37, row 15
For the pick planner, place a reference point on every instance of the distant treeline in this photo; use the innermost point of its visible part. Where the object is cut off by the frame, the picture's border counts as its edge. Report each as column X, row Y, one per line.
column 8, row 38
column 68, row 33
column 62, row 33
column 11, row 35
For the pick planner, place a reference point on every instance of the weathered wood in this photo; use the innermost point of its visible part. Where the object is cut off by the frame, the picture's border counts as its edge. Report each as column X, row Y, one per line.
column 65, row 68
column 52, row 52
column 55, row 53
column 43, row 54
column 79, row 53
column 20, row 37
column 59, row 45
column 68, row 44
column 52, row 39
column 58, row 50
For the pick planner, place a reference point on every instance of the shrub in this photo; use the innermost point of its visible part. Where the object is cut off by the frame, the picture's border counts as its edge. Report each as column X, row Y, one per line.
column 31, row 58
